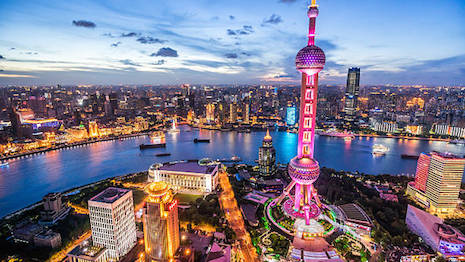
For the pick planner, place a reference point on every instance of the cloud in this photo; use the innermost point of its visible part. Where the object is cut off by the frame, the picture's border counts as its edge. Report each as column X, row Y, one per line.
column 130, row 34
column 245, row 30
column 109, row 35
column 16, row 76
column 231, row 55
column 116, row 44
column 166, row 52
column 2, row 57
column 150, row 40
column 84, row 23
column 159, row 62
column 274, row 19
column 287, row 1
column 232, row 17
column 128, row 62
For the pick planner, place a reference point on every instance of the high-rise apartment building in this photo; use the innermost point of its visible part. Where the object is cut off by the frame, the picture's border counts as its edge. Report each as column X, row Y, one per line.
column 421, row 174
column 210, row 113
column 267, row 156
column 112, row 221
column 437, row 182
column 161, row 224
column 351, row 96
column 232, row 113
column 443, row 183
column 291, row 115
column 247, row 113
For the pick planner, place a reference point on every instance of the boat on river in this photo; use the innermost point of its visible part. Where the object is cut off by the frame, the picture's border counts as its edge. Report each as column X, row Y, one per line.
column 379, row 150
column 201, row 140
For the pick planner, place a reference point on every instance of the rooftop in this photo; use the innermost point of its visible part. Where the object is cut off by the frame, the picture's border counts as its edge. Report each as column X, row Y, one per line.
column 187, row 166
column 356, row 213
column 447, row 155
column 87, row 251
column 110, row 195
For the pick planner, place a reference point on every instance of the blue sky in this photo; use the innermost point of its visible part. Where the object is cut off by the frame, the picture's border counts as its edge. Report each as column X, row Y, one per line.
column 228, row 42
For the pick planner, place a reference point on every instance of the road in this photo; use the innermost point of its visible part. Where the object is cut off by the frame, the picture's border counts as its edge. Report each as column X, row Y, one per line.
column 62, row 254
column 233, row 215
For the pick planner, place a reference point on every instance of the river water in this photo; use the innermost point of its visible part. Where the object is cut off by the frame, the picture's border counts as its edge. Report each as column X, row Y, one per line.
column 26, row 180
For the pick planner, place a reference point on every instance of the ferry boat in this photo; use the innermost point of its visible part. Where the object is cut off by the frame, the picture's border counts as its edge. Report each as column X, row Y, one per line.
column 379, row 150
column 163, row 154
column 157, row 140
column 407, row 156
column 201, row 140
column 158, row 137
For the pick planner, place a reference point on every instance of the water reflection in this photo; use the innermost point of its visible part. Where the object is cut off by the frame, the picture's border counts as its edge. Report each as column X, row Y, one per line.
column 26, row 180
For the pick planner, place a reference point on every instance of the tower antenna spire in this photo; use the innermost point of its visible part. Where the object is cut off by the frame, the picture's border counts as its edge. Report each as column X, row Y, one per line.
column 314, row 3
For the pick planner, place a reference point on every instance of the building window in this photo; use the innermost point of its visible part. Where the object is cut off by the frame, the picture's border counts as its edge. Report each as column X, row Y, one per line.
column 308, row 122
column 308, row 109
column 309, row 94
column 305, row 150
column 306, row 136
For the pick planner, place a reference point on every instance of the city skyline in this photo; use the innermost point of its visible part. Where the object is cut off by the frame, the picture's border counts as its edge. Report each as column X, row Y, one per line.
column 226, row 42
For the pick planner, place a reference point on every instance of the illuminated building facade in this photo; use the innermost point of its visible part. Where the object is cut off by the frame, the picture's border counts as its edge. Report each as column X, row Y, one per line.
column 267, row 156
column 291, row 117
column 443, row 183
column 93, row 129
column 421, row 174
column 232, row 113
column 112, row 221
column 437, row 182
column 247, row 113
column 351, row 96
column 448, row 130
column 161, row 225
column 304, row 169
column 441, row 237
column 210, row 113
column 194, row 177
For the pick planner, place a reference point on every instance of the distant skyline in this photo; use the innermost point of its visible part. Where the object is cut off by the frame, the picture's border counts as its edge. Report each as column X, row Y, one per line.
column 228, row 42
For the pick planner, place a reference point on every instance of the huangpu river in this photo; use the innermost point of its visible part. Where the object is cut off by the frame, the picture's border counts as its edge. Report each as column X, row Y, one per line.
column 25, row 181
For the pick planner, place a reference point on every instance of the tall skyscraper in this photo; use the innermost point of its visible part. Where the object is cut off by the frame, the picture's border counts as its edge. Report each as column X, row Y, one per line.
column 210, row 113
column 112, row 221
column 113, row 98
column 247, row 113
column 351, row 96
column 232, row 113
column 291, row 115
column 304, row 169
column 161, row 225
column 421, row 174
column 443, row 183
column 437, row 182
column 267, row 156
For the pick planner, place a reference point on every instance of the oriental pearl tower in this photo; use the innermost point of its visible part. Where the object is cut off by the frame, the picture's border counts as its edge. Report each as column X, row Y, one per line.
column 304, row 169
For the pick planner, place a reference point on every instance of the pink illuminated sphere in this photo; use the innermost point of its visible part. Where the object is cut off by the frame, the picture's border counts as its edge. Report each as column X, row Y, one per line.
column 310, row 60
column 304, row 171
column 312, row 12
